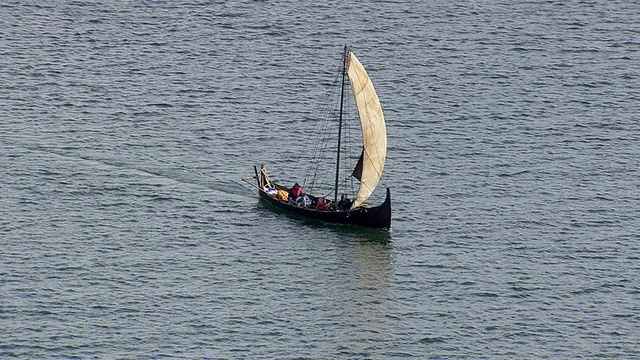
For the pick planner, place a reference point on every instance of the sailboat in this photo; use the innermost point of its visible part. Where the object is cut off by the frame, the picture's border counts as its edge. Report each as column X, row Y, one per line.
column 367, row 172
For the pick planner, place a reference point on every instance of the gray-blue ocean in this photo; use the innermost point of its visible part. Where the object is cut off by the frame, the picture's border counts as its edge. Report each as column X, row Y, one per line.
column 513, row 163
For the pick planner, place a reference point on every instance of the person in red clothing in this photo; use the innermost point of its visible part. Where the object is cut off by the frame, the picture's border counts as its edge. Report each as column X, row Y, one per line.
column 294, row 193
column 321, row 205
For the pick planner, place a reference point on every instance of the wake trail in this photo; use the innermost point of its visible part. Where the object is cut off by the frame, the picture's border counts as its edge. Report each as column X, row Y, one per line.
column 226, row 186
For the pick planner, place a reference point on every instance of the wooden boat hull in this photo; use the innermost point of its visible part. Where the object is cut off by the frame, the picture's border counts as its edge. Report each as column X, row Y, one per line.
column 378, row 217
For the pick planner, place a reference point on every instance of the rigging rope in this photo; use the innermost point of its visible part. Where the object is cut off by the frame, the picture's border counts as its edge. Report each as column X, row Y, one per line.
column 320, row 164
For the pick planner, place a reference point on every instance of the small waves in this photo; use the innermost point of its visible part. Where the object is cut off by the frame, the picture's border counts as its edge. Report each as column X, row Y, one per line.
column 512, row 161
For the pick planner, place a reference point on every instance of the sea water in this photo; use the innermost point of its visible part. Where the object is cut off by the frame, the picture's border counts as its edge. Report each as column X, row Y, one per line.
column 125, row 232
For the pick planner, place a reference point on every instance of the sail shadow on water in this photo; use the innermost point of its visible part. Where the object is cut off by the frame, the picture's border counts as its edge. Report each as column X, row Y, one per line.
column 347, row 147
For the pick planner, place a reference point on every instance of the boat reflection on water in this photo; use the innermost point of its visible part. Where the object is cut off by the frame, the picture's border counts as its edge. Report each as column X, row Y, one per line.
column 361, row 267
column 372, row 267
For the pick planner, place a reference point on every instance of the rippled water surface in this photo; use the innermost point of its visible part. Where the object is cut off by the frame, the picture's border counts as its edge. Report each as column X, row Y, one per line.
column 514, row 147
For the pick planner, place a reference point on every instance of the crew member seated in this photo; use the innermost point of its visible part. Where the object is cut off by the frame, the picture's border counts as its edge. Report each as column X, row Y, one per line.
column 304, row 200
column 321, row 204
column 294, row 193
column 344, row 204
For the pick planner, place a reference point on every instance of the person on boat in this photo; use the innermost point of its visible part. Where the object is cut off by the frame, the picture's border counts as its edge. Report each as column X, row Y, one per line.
column 301, row 201
column 329, row 205
column 304, row 200
column 295, row 193
column 344, row 204
column 321, row 204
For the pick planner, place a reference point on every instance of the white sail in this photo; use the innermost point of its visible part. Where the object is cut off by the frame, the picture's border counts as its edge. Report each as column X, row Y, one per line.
column 374, row 131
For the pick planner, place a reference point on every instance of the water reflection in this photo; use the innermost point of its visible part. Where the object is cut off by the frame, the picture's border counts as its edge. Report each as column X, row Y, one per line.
column 368, row 254
column 364, row 268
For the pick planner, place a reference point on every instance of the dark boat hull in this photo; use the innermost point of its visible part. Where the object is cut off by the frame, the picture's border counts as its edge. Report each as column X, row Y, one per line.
column 378, row 217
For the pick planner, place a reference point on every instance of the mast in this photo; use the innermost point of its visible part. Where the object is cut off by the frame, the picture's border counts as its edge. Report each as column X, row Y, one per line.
column 344, row 70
